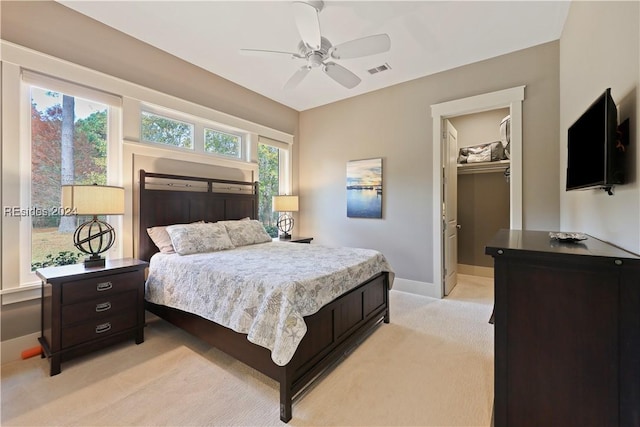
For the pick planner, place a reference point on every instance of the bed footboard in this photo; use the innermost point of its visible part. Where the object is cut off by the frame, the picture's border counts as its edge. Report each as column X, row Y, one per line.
column 332, row 333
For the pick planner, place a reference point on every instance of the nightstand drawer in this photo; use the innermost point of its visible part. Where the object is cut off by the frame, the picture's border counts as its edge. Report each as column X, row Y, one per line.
column 98, row 328
column 99, row 287
column 98, row 308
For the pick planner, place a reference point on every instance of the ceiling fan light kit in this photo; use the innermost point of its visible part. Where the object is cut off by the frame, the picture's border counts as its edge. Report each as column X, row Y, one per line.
column 317, row 50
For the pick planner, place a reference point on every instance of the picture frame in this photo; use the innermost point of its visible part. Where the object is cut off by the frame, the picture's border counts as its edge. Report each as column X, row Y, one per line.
column 364, row 188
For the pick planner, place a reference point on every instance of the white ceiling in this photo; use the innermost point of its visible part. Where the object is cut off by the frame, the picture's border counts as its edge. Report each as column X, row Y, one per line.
column 426, row 37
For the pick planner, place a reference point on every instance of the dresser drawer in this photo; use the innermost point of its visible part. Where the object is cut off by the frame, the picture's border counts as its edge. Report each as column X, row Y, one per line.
column 97, row 328
column 100, row 287
column 100, row 308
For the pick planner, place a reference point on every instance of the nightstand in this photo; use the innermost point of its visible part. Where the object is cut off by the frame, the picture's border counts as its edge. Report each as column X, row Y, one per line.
column 294, row 239
column 86, row 309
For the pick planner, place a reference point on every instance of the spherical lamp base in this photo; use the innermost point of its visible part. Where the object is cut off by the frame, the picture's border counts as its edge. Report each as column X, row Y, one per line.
column 93, row 238
column 285, row 225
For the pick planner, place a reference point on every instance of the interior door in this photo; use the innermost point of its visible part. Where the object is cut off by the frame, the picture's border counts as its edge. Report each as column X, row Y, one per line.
column 450, row 207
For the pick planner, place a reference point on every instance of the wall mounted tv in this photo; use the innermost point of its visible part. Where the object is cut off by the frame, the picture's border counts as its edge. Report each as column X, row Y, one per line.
column 595, row 152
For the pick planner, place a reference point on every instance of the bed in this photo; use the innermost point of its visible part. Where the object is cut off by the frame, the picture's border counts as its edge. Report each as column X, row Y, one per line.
column 358, row 303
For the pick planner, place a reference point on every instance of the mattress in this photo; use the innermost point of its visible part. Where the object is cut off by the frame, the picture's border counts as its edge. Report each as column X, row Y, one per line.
column 262, row 290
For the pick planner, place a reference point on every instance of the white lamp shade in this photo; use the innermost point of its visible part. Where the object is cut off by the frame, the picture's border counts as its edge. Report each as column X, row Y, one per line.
column 93, row 199
column 285, row 203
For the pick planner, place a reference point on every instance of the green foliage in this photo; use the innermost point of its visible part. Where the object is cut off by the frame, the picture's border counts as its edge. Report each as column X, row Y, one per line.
column 269, row 171
column 222, row 143
column 272, row 230
column 63, row 258
column 94, row 127
column 166, row 131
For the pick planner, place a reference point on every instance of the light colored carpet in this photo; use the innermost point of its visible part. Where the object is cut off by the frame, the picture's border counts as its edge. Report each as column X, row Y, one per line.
column 431, row 366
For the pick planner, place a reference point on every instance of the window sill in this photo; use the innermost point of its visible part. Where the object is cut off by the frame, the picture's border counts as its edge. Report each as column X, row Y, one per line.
column 26, row 292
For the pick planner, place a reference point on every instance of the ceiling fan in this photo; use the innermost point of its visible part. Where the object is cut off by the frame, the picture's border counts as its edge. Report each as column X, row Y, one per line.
column 318, row 52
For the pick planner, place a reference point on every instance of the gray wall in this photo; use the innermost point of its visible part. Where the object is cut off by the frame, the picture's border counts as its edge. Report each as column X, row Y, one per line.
column 600, row 48
column 395, row 124
column 483, row 209
column 479, row 128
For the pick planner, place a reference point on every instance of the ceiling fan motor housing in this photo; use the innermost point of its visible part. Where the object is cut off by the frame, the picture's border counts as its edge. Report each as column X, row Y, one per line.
column 315, row 58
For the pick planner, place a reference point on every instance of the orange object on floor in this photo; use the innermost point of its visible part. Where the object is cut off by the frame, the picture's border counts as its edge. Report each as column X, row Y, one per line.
column 35, row 351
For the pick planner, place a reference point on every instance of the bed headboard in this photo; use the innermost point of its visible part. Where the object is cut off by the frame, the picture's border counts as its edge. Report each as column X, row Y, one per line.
column 176, row 199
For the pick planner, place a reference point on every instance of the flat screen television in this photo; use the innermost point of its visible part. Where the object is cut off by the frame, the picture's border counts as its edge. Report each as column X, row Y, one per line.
column 595, row 157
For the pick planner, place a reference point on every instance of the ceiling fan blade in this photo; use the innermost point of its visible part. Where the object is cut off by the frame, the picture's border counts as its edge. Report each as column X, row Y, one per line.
column 308, row 22
column 340, row 74
column 364, row 46
column 297, row 77
column 260, row 52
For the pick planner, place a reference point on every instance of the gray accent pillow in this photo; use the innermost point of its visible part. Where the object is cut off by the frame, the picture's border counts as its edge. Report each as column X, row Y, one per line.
column 199, row 238
column 244, row 232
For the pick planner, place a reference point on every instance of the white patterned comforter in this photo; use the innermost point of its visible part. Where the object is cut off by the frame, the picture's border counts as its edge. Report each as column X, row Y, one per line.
column 261, row 290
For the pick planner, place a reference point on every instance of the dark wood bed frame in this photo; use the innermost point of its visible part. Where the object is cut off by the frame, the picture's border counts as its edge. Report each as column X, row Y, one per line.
column 332, row 332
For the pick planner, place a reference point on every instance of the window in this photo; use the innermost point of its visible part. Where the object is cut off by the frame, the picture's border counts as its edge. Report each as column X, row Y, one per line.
column 273, row 176
column 68, row 146
column 222, row 143
column 179, row 129
column 164, row 130
column 69, row 134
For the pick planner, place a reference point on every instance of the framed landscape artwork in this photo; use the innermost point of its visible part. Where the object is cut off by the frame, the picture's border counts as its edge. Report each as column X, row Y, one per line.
column 364, row 188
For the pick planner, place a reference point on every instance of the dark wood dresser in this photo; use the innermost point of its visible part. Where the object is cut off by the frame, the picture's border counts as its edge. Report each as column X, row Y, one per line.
column 85, row 309
column 567, row 332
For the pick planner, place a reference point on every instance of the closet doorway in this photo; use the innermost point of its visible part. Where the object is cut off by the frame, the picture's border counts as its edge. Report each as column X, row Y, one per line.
column 482, row 186
column 510, row 99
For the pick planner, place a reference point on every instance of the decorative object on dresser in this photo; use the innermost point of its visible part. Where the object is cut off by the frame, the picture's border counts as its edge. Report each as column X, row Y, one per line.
column 567, row 331
column 86, row 309
column 93, row 237
column 285, row 204
column 332, row 331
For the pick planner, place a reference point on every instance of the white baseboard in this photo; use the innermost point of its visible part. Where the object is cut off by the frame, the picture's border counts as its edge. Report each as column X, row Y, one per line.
column 10, row 350
column 415, row 287
column 475, row 270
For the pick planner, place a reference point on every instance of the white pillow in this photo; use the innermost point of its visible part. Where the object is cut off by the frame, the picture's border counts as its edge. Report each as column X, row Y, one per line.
column 198, row 238
column 244, row 232
column 161, row 239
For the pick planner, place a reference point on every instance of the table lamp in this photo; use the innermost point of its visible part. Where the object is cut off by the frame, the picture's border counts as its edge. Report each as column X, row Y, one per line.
column 94, row 236
column 285, row 204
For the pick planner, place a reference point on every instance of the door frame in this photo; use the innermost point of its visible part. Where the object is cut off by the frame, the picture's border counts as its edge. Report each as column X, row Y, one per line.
column 508, row 98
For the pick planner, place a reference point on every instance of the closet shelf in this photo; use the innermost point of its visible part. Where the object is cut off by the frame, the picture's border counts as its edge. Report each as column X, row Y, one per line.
column 487, row 167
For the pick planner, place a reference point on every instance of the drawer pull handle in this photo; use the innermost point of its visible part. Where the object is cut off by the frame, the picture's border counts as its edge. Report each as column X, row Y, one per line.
column 103, row 328
column 103, row 307
column 104, row 286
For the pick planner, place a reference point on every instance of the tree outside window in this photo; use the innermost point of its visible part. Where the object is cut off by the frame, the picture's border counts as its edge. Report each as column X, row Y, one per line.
column 68, row 146
column 222, row 143
column 269, row 177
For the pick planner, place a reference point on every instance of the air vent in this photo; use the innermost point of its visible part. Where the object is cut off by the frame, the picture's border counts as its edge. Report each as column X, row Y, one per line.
column 380, row 68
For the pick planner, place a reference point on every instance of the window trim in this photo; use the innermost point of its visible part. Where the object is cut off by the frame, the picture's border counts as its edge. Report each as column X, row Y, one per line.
column 286, row 166
column 284, row 163
column 114, row 162
column 199, row 125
